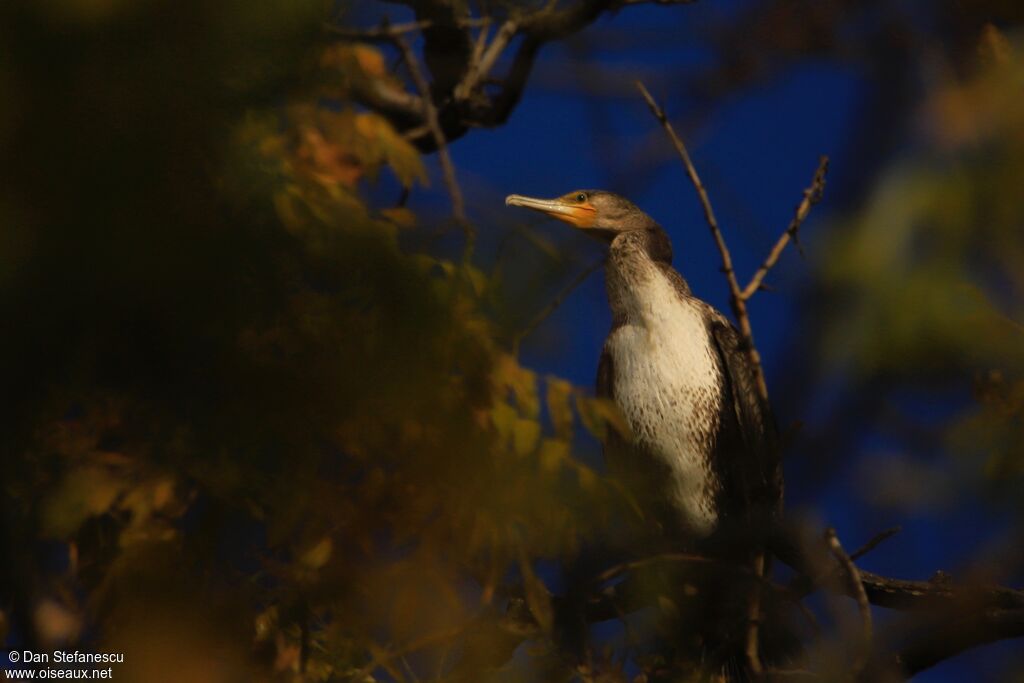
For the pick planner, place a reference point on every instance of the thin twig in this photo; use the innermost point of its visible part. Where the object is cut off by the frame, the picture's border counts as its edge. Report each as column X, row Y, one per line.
column 480, row 68
column 812, row 195
column 875, row 542
column 555, row 303
column 388, row 32
column 859, row 594
column 447, row 168
column 689, row 558
column 739, row 309
column 702, row 193
column 481, row 42
column 736, row 299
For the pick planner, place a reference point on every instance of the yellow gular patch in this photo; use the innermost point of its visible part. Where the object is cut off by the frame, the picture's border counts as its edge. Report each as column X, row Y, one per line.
column 581, row 216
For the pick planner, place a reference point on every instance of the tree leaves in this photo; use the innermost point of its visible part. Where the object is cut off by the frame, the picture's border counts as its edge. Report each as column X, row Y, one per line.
column 537, row 596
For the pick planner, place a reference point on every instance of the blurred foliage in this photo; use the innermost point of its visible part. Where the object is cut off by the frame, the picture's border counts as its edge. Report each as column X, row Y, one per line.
column 927, row 280
column 249, row 435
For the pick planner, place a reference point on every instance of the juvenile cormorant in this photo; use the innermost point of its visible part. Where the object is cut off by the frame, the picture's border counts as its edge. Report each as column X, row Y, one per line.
column 703, row 454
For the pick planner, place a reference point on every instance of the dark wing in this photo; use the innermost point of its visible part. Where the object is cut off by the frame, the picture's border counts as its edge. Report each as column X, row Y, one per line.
column 759, row 469
column 605, row 387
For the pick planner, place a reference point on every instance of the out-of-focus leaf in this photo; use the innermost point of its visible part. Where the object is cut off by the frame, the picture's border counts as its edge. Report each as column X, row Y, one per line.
column 525, row 436
column 559, row 393
column 504, row 418
column 318, row 555
column 85, row 492
column 553, row 454
column 395, row 150
column 537, row 596
column 400, row 216
column 523, row 383
column 599, row 414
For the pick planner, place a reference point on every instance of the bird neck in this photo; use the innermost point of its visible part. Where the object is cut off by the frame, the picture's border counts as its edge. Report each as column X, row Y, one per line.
column 638, row 265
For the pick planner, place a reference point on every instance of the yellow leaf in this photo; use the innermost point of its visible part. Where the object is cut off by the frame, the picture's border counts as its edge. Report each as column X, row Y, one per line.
column 559, row 409
column 84, row 493
column 525, row 436
column 504, row 418
column 553, row 453
column 400, row 216
column 370, row 60
column 598, row 414
column 994, row 48
column 588, row 479
column 508, row 374
column 317, row 556
column 392, row 148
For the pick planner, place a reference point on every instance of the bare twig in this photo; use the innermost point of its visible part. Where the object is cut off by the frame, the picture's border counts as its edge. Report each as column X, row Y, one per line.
column 702, row 193
column 555, row 303
column 481, row 41
column 736, row 299
column 684, row 558
column 874, row 542
column 447, row 168
column 812, row 195
column 746, row 331
column 377, row 34
column 386, row 32
column 480, row 68
column 859, row 594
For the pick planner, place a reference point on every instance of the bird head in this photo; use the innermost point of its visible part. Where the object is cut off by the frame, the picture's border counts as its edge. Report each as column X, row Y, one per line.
column 601, row 214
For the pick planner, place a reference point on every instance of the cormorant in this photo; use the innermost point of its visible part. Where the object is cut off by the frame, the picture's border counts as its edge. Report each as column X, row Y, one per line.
column 703, row 455
column 702, row 461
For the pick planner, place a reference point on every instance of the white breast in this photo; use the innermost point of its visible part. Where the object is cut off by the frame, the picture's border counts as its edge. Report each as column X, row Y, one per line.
column 667, row 385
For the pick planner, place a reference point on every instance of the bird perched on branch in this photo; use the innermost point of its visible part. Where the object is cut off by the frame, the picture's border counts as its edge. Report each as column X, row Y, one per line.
column 703, row 460
column 704, row 446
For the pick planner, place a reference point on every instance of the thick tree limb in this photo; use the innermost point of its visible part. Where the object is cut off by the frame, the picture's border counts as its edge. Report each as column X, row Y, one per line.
column 946, row 638
column 461, row 67
column 947, row 618
column 901, row 594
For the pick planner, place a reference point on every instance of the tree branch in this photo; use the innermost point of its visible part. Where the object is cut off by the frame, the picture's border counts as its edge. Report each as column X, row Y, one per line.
column 447, row 168
column 812, row 195
column 747, row 333
column 736, row 299
column 874, row 542
column 461, row 102
column 943, row 639
column 859, row 594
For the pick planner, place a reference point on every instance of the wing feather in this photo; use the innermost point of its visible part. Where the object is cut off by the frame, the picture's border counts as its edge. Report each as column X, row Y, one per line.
column 759, row 468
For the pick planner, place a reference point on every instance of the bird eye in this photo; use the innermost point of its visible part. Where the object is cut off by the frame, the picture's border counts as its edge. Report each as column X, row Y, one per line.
column 581, row 197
